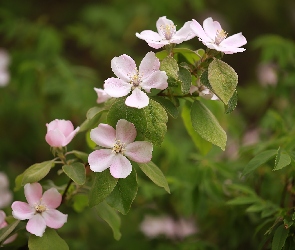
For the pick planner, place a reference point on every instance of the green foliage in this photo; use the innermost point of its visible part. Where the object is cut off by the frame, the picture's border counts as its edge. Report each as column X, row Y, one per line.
column 7, row 231
column 75, row 171
column 167, row 105
column 279, row 238
column 282, row 160
column 92, row 118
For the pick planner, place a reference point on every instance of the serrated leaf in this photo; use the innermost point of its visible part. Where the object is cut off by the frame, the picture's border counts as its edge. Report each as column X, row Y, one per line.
column 201, row 144
column 124, row 193
column 76, row 172
column 6, row 231
column 232, row 104
column 155, row 174
column 170, row 66
column 50, row 240
column 223, row 79
column 156, row 119
column 207, row 126
column 282, row 160
column 92, row 118
column 243, row 200
column 36, row 172
column 170, row 108
column 279, row 238
column 258, row 160
column 103, row 185
column 204, row 80
column 110, row 216
column 186, row 79
column 81, row 155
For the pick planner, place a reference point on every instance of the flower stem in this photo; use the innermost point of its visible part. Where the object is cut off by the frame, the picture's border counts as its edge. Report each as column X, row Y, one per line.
column 66, row 190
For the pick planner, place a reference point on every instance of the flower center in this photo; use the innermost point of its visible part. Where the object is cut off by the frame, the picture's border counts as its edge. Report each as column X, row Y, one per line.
column 135, row 81
column 168, row 30
column 119, row 147
column 40, row 208
column 220, row 36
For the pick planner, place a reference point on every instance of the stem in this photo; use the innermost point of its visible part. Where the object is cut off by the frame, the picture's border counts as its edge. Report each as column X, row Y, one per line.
column 66, row 190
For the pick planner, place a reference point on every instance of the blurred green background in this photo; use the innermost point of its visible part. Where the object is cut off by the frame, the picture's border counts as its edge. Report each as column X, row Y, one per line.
column 60, row 50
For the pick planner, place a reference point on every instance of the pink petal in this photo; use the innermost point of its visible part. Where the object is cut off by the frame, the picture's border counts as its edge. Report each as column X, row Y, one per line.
column 236, row 40
column 54, row 218
column 157, row 80
column 149, row 64
column 198, row 30
column 139, row 151
column 149, row 35
column 210, row 27
column 36, row 225
column 116, row 87
column 102, row 96
column 104, row 135
column 184, row 34
column 120, row 167
column 2, row 219
column 157, row 45
column 138, row 99
column 162, row 22
column 100, row 160
column 125, row 131
column 33, row 193
column 70, row 137
column 123, row 67
column 22, row 210
column 51, row 198
column 65, row 127
column 55, row 138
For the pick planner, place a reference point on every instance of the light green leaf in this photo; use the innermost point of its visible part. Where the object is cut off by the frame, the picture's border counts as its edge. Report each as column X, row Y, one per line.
column 155, row 174
column 18, row 182
column 76, row 172
column 110, row 216
column 92, row 118
column 81, row 155
column 50, row 240
column 170, row 66
column 186, row 80
column 258, row 160
column 207, row 126
column 201, row 144
column 37, row 172
column 170, row 108
column 279, row 238
column 6, row 231
column 103, row 185
column 243, row 200
column 223, row 79
column 282, row 160
column 124, row 193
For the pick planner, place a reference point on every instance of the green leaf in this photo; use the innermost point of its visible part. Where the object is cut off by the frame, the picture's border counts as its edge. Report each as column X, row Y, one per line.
column 36, row 172
column 103, row 185
column 50, row 240
column 204, row 80
column 80, row 202
column 186, row 80
column 81, row 155
column 155, row 174
column 258, row 160
column 282, row 160
column 191, row 56
column 18, row 182
column 76, row 172
column 255, row 208
column 6, row 231
column 110, row 216
column 92, row 118
column 279, row 238
column 243, row 200
column 223, row 79
column 206, row 125
column 156, row 118
column 201, row 144
column 232, row 104
column 170, row 66
column 170, row 108
column 124, row 193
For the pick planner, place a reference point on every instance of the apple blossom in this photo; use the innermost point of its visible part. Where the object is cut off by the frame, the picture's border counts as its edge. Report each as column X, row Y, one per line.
column 203, row 92
column 102, row 96
column 3, row 224
column 119, row 144
column 5, row 193
column 60, row 133
column 4, row 73
column 40, row 209
column 130, row 79
column 214, row 37
column 167, row 34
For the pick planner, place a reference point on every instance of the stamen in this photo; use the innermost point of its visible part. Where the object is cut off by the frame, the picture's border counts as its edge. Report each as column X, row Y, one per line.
column 40, row 208
column 168, row 30
column 135, row 80
column 220, row 36
column 119, row 147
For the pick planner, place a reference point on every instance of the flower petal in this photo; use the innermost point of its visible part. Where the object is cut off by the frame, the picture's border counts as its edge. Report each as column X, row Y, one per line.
column 123, row 67
column 157, row 45
column 157, row 80
column 22, row 210
column 66, row 127
column 55, row 138
column 54, row 218
column 100, row 160
column 36, row 225
column 70, row 137
column 149, row 64
column 51, row 198
column 33, row 193
column 149, row 35
column 2, row 219
column 102, row 96
column 120, row 167
column 184, row 34
column 236, row 40
column 116, row 87
column 138, row 99
column 139, row 151
column 125, row 131
column 199, row 31
column 104, row 135
column 163, row 22
column 210, row 27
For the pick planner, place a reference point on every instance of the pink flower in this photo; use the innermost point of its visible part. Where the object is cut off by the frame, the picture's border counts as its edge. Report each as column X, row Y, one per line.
column 102, row 96
column 130, row 79
column 60, row 133
column 5, row 193
column 40, row 210
column 166, row 33
column 119, row 143
column 4, row 73
column 214, row 37
column 3, row 224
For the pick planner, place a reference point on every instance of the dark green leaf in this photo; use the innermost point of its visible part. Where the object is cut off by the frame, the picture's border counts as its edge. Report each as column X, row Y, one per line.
column 243, row 200
column 81, row 155
column 232, row 104
column 186, row 80
column 76, row 172
column 80, row 202
column 168, row 106
column 37, row 172
column 279, row 238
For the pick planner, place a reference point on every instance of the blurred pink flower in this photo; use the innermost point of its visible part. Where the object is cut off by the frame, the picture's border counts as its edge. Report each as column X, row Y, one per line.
column 130, row 79
column 5, row 193
column 167, row 34
column 3, row 224
column 102, row 96
column 4, row 73
column 214, row 37
column 267, row 74
column 120, row 144
column 40, row 209
column 203, row 92
column 60, row 133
